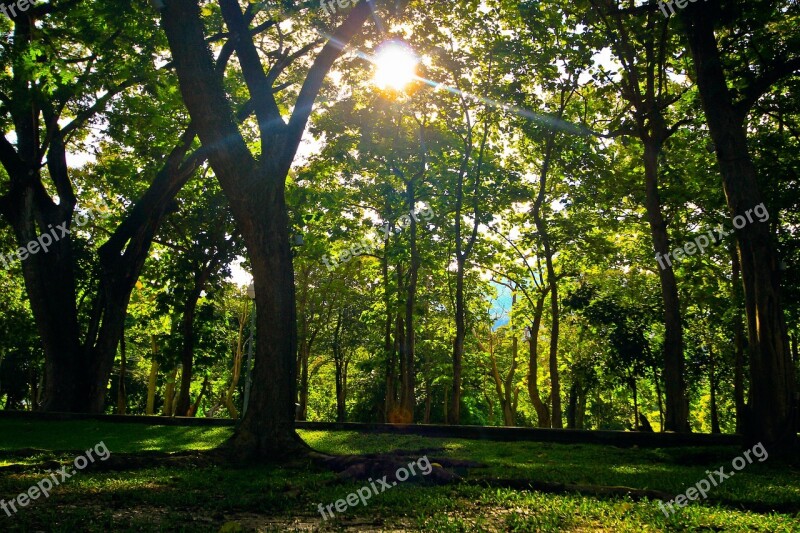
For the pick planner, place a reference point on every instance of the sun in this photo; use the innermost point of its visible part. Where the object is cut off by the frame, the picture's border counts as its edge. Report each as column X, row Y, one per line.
column 395, row 66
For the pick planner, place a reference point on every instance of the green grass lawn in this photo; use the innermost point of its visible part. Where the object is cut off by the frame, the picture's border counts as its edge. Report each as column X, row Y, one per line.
column 271, row 498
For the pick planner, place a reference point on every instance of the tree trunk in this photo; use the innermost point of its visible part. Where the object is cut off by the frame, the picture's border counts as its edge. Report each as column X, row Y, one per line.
column 712, row 385
column 390, row 401
column 542, row 412
column 657, row 380
column 462, row 253
column 635, row 390
column 50, row 283
column 305, row 350
column 407, row 393
column 267, row 429
column 552, row 280
column 187, row 354
column 555, row 387
column 510, row 410
column 238, row 357
column 196, row 405
column 677, row 416
column 169, row 394
column 187, row 330
column 771, row 419
column 255, row 188
column 152, row 384
column 428, row 402
column 581, row 412
column 341, row 368
column 445, row 405
column 461, row 331
column 307, row 336
column 121, row 396
column 738, row 343
column 572, row 406
column 502, row 386
column 398, row 416
column 77, row 371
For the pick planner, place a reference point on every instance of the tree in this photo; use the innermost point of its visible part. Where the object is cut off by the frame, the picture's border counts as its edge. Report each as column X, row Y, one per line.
column 51, row 98
column 643, row 45
column 730, row 84
column 255, row 188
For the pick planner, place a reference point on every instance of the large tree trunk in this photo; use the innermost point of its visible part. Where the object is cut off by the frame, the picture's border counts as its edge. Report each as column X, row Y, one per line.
column 77, row 370
column 48, row 274
column 267, row 429
column 50, row 283
column 771, row 419
column 256, row 191
column 677, row 416
column 645, row 58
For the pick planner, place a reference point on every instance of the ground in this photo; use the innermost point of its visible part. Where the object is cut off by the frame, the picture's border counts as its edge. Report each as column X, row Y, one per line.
column 198, row 495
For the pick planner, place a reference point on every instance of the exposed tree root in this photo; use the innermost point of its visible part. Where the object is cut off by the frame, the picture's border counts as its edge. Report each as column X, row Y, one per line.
column 379, row 465
column 39, row 467
column 122, row 462
column 33, row 452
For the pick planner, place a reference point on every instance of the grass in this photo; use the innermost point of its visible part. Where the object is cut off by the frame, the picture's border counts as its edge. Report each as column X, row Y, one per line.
column 272, row 498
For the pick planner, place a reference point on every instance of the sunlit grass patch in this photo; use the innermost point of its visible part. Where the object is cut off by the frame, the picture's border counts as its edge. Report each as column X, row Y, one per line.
column 275, row 498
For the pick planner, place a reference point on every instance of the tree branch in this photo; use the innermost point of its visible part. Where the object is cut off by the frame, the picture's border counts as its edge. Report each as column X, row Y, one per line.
column 258, row 84
column 316, row 76
column 765, row 82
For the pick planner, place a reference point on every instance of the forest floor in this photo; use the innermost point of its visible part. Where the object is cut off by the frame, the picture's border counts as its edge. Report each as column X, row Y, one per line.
column 198, row 495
